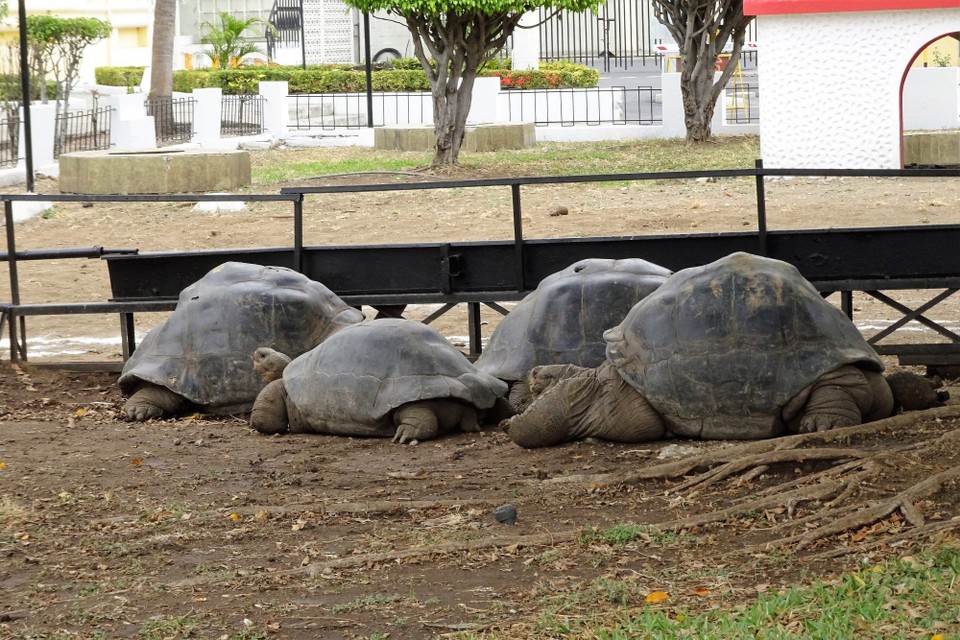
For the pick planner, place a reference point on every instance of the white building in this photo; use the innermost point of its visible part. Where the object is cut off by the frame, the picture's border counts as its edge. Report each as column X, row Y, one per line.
column 833, row 74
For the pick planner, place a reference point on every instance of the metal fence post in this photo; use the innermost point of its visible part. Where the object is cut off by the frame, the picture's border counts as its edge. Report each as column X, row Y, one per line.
column 16, row 350
column 517, row 236
column 761, row 209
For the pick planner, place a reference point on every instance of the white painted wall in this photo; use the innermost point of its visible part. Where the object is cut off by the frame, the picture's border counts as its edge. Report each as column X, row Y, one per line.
column 129, row 44
column 831, row 84
column 931, row 98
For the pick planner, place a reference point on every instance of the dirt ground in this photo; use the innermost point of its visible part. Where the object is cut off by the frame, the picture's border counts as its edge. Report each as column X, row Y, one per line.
column 202, row 528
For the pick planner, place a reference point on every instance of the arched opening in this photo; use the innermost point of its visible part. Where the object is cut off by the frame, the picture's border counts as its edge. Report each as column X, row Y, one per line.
column 930, row 105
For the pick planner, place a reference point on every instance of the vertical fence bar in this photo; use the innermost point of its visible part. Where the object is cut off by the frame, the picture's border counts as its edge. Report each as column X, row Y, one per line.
column 298, row 233
column 761, row 208
column 517, row 236
column 15, row 350
column 473, row 328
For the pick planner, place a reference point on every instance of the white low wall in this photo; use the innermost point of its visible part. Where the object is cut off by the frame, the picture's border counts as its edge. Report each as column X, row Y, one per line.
column 601, row 114
column 931, row 98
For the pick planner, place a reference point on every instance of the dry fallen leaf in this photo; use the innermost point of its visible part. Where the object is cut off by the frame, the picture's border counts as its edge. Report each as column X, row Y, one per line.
column 80, row 412
column 656, row 596
column 701, row 591
column 234, row 516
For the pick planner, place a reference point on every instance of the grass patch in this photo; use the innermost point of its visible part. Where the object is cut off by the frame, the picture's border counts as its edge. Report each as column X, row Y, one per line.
column 910, row 597
column 545, row 159
column 623, row 534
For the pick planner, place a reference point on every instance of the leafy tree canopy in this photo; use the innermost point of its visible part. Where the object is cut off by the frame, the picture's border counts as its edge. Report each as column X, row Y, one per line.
column 452, row 39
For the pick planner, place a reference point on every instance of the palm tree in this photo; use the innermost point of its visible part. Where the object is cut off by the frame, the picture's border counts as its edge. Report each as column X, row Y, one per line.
column 227, row 45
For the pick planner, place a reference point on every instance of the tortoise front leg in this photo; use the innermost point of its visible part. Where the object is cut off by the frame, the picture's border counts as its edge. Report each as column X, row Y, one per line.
column 842, row 398
column 153, row 401
column 415, row 421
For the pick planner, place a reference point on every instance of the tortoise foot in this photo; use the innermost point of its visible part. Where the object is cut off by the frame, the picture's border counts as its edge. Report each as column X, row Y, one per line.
column 153, row 401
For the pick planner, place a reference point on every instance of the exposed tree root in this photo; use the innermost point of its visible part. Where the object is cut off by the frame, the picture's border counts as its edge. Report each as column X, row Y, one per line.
column 903, row 501
column 833, row 499
column 928, row 531
column 764, row 459
column 755, row 448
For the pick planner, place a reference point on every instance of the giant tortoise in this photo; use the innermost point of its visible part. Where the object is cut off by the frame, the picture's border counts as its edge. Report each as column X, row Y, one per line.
column 741, row 348
column 199, row 357
column 563, row 320
column 381, row 378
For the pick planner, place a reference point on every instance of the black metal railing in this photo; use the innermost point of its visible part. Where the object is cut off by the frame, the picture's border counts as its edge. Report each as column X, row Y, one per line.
column 742, row 103
column 596, row 106
column 9, row 141
column 172, row 119
column 616, row 33
column 241, row 115
column 82, row 131
column 287, row 18
column 864, row 259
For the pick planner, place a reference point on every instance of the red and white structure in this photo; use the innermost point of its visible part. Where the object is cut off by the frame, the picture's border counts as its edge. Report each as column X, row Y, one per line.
column 832, row 74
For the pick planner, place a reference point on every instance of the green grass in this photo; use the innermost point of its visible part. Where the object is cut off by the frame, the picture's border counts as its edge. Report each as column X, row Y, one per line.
column 622, row 534
column 545, row 159
column 912, row 597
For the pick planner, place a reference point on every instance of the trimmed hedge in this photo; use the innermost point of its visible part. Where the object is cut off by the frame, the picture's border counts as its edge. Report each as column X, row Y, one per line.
column 406, row 75
column 119, row 76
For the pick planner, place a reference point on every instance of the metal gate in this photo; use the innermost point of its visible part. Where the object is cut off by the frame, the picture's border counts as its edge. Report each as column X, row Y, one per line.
column 617, row 33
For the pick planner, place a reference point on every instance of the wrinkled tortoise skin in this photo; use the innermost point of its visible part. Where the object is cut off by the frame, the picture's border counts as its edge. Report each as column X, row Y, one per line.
column 202, row 351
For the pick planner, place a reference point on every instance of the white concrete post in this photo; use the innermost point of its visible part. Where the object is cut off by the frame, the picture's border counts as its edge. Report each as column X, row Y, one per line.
column 276, row 113
column 672, row 106
column 526, row 43
column 484, row 103
column 130, row 126
column 43, row 119
column 206, row 116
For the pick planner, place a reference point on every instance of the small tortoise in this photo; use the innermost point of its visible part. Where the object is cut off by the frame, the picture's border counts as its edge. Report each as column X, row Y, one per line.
column 199, row 357
column 741, row 348
column 563, row 320
column 381, row 378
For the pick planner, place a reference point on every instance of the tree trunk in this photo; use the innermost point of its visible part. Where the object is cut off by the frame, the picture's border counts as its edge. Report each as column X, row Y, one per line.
column 450, row 108
column 161, row 57
column 701, row 31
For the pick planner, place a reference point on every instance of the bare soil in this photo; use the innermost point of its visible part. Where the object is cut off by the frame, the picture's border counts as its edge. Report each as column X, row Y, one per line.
column 200, row 527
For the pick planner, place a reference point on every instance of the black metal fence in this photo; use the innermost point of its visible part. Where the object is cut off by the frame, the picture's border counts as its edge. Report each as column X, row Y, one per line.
column 9, row 141
column 241, row 115
column 839, row 260
column 172, row 119
column 742, row 103
column 82, row 131
column 287, row 18
column 569, row 107
column 617, row 33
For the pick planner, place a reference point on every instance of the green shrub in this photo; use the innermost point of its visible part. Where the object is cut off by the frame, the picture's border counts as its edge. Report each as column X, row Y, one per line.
column 119, row 76
column 331, row 78
column 10, row 88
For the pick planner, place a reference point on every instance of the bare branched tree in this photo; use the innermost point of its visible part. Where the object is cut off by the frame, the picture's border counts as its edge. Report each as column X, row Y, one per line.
column 702, row 30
